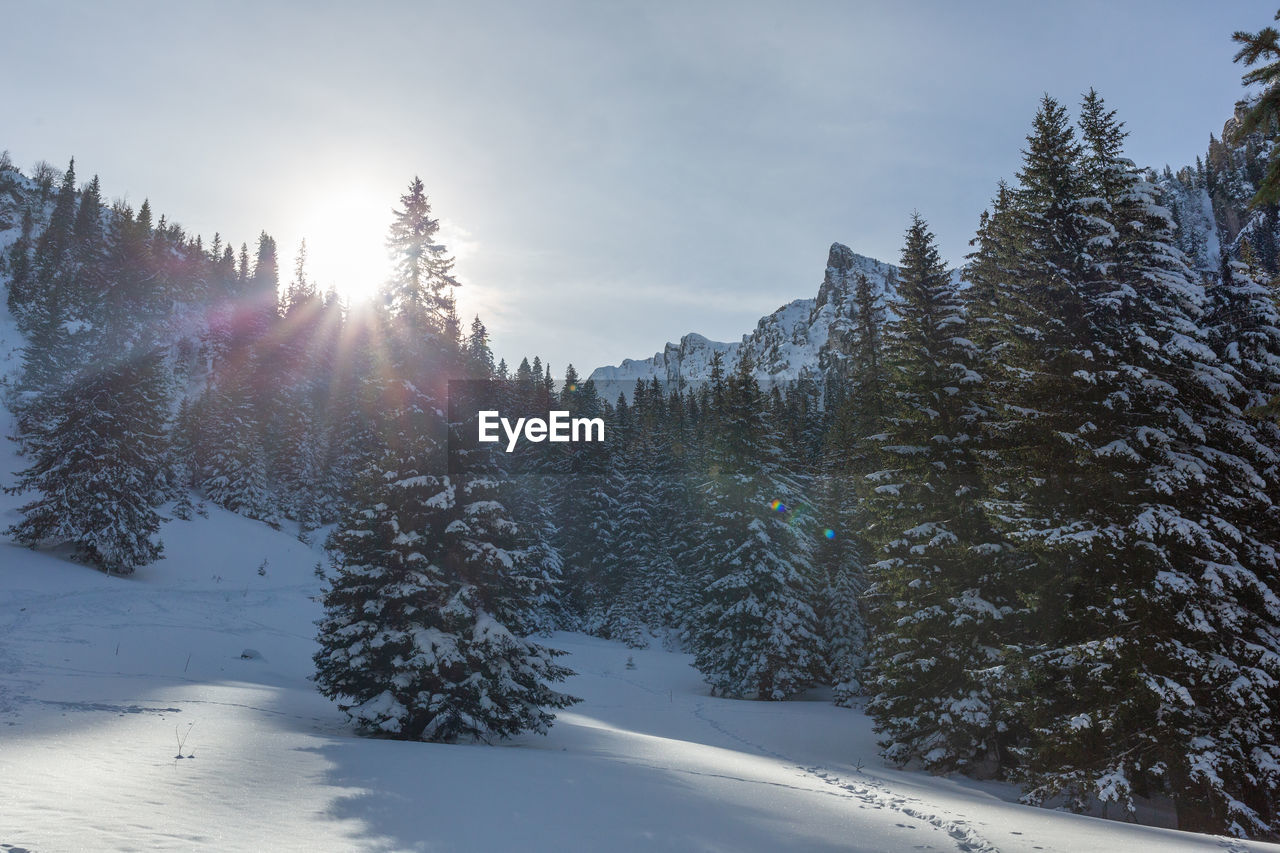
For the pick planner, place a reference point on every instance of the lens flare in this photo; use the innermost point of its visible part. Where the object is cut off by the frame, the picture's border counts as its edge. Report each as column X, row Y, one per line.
column 778, row 506
column 829, row 533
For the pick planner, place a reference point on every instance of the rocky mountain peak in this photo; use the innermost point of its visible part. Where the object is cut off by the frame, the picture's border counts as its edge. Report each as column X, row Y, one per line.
column 785, row 346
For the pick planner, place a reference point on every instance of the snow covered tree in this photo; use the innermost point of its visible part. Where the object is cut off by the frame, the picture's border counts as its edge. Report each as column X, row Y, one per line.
column 1146, row 668
column 755, row 632
column 298, row 426
column 937, row 597
column 231, row 466
column 45, row 311
column 1232, row 615
column 586, row 506
column 1263, row 111
column 182, row 460
column 641, row 575
column 840, row 574
column 98, row 465
column 528, row 476
column 425, row 629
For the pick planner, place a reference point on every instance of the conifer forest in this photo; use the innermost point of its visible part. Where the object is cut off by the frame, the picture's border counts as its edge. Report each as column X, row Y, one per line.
column 1020, row 512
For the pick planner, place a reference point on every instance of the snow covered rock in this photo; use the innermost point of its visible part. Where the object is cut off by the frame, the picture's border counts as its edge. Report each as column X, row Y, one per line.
column 789, row 344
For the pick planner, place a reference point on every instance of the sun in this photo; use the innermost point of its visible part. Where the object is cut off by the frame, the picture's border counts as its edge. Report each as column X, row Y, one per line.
column 345, row 226
column 346, row 230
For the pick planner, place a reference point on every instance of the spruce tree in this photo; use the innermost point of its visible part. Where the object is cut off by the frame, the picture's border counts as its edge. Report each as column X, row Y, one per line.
column 855, row 408
column 938, row 599
column 1142, row 670
column 425, row 624
column 98, row 460
column 231, row 466
column 754, row 635
column 425, row 629
column 423, row 282
column 586, row 507
column 1260, row 53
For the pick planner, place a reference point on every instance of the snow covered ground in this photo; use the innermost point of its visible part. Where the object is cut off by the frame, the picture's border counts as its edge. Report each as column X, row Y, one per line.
column 100, row 677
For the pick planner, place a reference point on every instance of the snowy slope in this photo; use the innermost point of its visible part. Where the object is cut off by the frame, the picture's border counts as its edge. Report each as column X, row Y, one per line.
column 785, row 345
column 99, row 676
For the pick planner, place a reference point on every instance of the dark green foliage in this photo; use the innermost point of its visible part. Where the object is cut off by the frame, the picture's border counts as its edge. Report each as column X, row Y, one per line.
column 1109, row 469
column 98, row 465
column 939, row 604
column 1260, row 53
column 435, row 587
column 755, row 633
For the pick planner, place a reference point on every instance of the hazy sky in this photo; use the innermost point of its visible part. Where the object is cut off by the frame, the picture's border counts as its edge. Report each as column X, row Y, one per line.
column 611, row 174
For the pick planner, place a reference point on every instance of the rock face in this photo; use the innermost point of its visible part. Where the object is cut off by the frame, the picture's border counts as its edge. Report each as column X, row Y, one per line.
column 791, row 343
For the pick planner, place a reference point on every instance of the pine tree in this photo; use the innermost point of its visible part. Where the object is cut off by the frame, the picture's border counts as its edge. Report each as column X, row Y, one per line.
column 641, row 572
column 938, row 599
column 19, row 264
column 88, row 251
column 1263, row 112
column 231, row 464
column 45, row 314
column 182, row 460
column 479, row 352
column 298, row 426
column 424, row 633
column 586, row 507
column 423, row 283
column 528, row 478
column 842, row 581
column 423, row 636
column 855, row 400
column 1138, row 678
column 755, row 633
column 98, row 465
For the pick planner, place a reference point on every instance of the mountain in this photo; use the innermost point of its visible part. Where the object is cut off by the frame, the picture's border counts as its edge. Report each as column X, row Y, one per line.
column 1211, row 202
column 796, row 341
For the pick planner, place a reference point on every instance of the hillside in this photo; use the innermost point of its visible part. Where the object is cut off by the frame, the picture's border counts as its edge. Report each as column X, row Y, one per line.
column 100, row 677
column 1023, row 533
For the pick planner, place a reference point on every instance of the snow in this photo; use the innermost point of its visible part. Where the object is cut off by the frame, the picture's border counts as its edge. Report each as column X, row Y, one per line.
column 100, row 678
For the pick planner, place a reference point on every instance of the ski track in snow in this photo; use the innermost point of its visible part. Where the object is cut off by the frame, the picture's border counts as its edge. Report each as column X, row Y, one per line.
column 965, row 837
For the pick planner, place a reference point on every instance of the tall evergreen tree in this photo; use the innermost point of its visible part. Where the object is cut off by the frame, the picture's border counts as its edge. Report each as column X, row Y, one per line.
column 755, row 633
column 98, row 465
column 939, row 599
column 1104, row 477
column 425, row 626
column 1260, row 53
column 423, row 283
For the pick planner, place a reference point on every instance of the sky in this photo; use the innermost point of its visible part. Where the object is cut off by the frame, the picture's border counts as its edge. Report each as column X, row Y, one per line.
column 609, row 175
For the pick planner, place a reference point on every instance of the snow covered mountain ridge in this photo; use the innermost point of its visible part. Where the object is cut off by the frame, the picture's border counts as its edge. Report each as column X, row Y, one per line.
column 792, row 343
